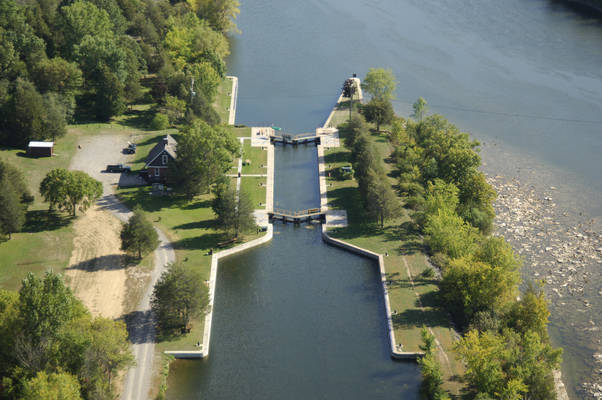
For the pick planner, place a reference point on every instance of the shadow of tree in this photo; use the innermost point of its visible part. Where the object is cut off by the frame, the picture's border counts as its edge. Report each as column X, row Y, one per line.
column 140, row 326
column 335, row 157
column 137, row 119
column 204, row 224
column 203, row 242
column 416, row 318
column 102, row 263
column 42, row 220
column 411, row 242
column 197, row 204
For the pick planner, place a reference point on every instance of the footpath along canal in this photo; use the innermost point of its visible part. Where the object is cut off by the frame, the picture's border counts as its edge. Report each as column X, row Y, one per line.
column 297, row 318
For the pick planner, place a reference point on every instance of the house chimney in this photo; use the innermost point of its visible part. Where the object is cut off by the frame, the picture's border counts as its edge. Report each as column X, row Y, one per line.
column 165, row 140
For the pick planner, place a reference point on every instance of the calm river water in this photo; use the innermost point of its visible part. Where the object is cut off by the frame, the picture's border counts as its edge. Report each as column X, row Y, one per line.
column 522, row 76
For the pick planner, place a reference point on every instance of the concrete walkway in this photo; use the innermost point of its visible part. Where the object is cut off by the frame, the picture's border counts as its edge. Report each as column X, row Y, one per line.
column 233, row 100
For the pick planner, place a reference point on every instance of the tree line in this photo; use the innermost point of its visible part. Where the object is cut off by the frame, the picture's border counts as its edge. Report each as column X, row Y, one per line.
column 505, row 345
column 52, row 348
column 62, row 61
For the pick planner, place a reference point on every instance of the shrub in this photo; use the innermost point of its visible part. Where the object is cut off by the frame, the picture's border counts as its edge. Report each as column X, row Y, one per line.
column 159, row 122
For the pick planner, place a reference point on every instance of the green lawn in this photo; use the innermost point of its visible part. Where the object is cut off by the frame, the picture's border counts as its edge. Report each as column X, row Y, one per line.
column 243, row 131
column 404, row 246
column 251, row 185
column 222, row 100
column 258, row 158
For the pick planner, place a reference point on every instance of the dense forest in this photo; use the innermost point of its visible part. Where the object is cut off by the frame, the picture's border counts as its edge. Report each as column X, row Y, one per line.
column 68, row 61
column 64, row 62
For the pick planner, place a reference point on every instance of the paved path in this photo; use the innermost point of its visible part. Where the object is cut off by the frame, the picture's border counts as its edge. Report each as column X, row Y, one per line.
column 233, row 100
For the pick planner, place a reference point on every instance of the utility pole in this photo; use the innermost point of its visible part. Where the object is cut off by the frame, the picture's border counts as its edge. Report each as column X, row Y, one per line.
column 192, row 92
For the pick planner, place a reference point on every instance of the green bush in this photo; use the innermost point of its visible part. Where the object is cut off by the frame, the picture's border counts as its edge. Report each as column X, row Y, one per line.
column 159, row 122
column 428, row 273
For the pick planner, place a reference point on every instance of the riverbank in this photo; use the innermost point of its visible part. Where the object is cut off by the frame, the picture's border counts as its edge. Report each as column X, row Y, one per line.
column 408, row 294
column 564, row 251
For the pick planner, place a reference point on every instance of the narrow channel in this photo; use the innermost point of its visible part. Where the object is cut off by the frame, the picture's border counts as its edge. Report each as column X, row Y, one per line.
column 296, row 318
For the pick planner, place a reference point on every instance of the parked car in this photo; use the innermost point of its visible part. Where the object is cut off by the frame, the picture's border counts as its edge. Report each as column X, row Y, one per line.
column 131, row 149
column 118, row 168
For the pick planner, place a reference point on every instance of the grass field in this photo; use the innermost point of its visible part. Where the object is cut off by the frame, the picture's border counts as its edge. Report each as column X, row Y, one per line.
column 251, row 186
column 222, row 100
column 404, row 251
column 258, row 159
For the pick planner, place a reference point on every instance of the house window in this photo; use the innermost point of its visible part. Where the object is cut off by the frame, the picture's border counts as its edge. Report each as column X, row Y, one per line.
column 157, row 172
column 164, row 159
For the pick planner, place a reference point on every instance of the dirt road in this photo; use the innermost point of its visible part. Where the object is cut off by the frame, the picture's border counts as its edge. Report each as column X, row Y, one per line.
column 93, row 156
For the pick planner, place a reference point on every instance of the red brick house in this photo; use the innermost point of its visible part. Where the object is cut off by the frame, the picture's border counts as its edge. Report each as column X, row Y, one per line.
column 159, row 159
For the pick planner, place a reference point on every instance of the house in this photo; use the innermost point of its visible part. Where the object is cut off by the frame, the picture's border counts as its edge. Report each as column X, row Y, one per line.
column 159, row 159
column 40, row 149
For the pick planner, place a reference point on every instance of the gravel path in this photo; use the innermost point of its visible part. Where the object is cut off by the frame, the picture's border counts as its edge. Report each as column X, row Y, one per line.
column 93, row 156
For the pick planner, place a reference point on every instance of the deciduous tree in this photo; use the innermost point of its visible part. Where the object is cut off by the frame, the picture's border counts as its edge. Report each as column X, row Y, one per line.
column 380, row 83
column 179, row 296
column 70, row 190
column 205, row 154
column 56, row 386
column 138, row 235
column 378, row 111
column 420, row 107
column 234, row 213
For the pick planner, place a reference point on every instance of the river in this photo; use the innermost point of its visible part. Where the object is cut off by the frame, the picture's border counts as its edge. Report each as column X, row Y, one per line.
column 524, row 77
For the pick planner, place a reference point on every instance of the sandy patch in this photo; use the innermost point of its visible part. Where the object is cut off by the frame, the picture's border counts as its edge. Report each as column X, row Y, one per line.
column 96, row 272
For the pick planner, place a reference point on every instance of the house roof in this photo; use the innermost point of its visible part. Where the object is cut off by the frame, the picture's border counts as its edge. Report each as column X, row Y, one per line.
column 168, row 144
column 41, row 144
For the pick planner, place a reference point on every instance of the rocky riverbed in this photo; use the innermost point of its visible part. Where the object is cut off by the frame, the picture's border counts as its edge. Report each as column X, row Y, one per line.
column 566, row 253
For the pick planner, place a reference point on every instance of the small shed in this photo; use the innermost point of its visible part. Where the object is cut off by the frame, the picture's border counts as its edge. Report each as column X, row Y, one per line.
column 40, row 149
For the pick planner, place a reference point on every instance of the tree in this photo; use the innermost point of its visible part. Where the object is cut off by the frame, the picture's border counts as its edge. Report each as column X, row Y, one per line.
column 420, row 107
column 55, row 124
column 107, row 353
column 220, row 13
column 12, row 212
column 178, row 296
column 484, row 354
column 234, row 213
column 448, row 233
column 52, row 187
column 81, row 190
column 55, row 386
column 349, row 89
column 352, row 129
column 380, row 199
column 380, row 84
column 45, row 305
column 469, row 287
column 57, row 75
column 26, row 114
column 430, row 368
column 378, row 111
column 159, row 122
column 138, row 235
column 531, row 312
column 205, row 154
column 69, row 189
column 81, row 20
